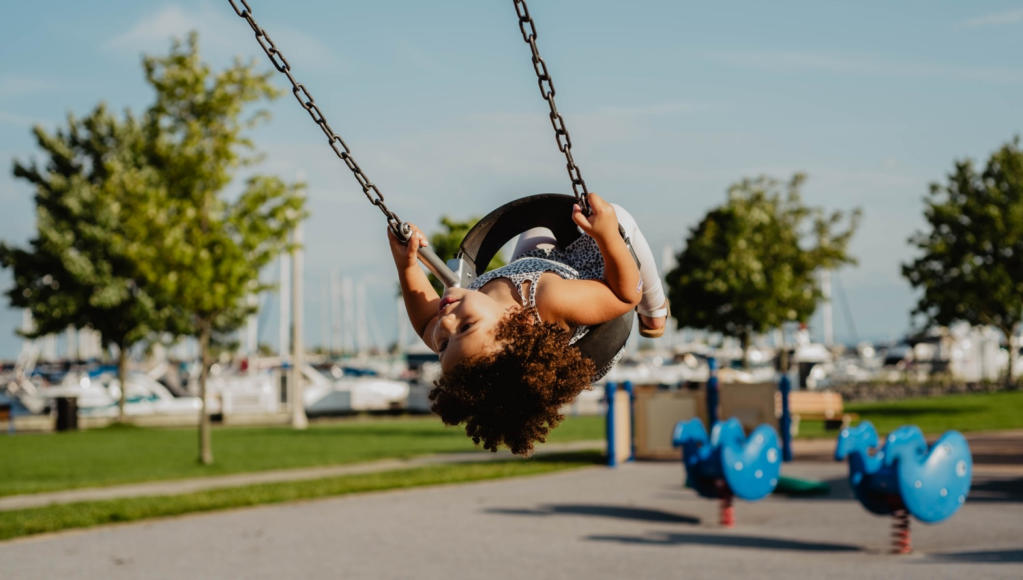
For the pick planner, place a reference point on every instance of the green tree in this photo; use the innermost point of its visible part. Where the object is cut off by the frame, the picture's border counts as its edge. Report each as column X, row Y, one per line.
column 970, row 266
column 215, row 245
column 94, row 199
column 446, row 243
column 752, row 264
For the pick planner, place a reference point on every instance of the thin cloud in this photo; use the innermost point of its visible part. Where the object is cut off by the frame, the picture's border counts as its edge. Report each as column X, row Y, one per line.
column 222, row 35
column 657, row 109
column 153, row 30
column 793, row 61
column 16, row 120
column 995, row 19
column 13, row 86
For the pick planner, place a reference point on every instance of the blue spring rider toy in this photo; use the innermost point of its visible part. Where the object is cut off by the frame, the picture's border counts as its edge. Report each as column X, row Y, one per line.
column 905, row 477
column 728, row 464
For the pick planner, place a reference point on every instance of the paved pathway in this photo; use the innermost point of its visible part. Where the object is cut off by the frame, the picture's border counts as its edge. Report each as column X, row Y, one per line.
column 635, row 521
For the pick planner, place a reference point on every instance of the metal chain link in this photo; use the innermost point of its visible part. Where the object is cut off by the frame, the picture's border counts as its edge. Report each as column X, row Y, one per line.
column 306, row 100
column 543, row 79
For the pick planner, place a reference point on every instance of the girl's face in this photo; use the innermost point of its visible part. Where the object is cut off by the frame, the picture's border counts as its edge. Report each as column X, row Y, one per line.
column 466, row 326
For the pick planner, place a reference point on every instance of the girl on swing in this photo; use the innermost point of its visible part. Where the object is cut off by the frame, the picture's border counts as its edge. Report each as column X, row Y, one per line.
column 505, row 343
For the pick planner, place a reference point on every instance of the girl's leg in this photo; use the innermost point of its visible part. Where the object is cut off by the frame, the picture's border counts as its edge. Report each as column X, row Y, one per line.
column 652, row 303
column 532, row 239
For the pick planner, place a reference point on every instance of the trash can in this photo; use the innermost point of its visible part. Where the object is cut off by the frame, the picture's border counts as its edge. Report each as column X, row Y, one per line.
column 804, row 374
column 67, row 413
column 7, row 414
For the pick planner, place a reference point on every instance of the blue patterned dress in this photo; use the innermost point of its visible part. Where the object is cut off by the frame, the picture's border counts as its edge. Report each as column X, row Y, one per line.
column 580, row 260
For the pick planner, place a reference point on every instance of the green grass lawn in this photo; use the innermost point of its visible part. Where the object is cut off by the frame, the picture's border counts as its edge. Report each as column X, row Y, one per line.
column 92, row 513
column 935, row 415
column 44, row 462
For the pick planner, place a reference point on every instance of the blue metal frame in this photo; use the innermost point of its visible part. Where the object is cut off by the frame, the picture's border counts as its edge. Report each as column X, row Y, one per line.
column 627, row 385
column 712, row 392
column 785, row 422
column 609, row 423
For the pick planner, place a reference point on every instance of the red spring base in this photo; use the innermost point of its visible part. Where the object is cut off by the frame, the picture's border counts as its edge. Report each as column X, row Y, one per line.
column 900, row 533
column 727, row 512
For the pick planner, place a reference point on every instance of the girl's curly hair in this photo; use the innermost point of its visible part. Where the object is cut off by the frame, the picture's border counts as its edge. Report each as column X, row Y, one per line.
column 512, row 396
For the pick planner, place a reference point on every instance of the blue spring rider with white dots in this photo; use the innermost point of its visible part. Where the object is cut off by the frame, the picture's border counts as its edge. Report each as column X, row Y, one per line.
column 727, row 464
column 905, row 477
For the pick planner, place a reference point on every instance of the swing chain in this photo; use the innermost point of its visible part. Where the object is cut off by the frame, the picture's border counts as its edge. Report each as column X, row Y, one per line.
column 309, row 104
column 543, row 79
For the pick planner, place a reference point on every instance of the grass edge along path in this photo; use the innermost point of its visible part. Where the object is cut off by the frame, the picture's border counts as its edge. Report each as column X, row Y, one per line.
column 31, row 521
column 122, row 455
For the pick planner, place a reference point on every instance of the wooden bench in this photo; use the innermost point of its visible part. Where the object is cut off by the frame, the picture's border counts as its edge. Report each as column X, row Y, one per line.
column 817, row 405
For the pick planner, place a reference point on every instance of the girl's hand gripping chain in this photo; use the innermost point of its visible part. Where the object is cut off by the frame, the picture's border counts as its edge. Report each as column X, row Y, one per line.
column 601, row 224
column 420, row 249
column 421, row 300
column 406, row 255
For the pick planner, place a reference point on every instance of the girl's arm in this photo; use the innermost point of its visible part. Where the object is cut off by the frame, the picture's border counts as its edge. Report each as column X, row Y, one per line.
column 589, row 302
column 620, row 270
column 421, row 300
column 578, row 302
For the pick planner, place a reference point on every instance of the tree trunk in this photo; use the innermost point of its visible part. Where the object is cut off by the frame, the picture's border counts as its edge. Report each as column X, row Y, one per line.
column 1009, row 370
column 205, row 444
column 122, row 378
column 783, row 355
column 744, row 342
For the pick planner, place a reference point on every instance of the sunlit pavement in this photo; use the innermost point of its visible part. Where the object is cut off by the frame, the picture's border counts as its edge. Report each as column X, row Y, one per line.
column 635, row 521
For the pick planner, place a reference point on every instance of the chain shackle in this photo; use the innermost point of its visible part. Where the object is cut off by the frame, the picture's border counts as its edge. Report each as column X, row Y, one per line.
column 305, row 99
column 547, row 92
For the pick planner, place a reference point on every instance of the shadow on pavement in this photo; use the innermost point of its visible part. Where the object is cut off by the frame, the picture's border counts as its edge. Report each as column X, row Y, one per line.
column 728, row 541
column 605, row 511
column 983, row 489
column 997, row 489
column 993, row 556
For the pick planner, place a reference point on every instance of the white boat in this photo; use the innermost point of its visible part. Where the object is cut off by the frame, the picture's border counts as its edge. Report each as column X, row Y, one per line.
column 339, row 391
column 243, row 393
column 98, row 395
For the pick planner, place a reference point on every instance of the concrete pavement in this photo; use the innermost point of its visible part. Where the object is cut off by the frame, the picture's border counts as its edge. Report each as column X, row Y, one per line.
column 635, row 521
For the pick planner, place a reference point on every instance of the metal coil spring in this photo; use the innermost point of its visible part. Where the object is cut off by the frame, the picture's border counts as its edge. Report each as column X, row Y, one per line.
column 727, row 519
column 900, row 532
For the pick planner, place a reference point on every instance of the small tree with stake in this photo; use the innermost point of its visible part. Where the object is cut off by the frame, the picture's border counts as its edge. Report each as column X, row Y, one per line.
column 751, row 264
column 970, row 266
column 211, row 257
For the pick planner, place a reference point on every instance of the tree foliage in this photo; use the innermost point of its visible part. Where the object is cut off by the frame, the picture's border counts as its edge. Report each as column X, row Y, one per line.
column 970, row 266
column 94, row 198
column 445, row 244
column 137, row 231
column 751, row 264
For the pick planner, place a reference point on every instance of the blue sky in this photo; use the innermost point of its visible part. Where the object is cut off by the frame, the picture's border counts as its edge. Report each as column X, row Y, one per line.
column 667, row 103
